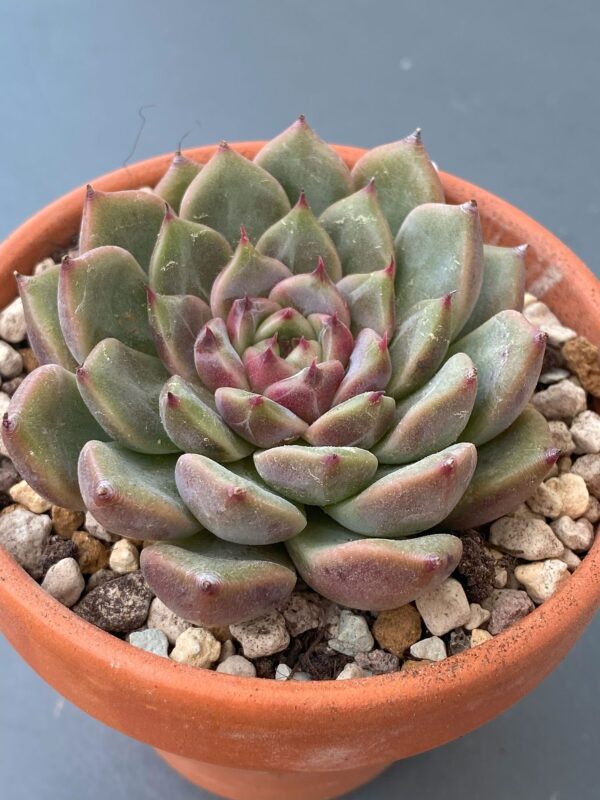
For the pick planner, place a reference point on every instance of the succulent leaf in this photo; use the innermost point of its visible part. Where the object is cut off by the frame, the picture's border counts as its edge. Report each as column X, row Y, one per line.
column 188, row 415
column 404, row 175
column 508, row 352
column 301, row 161
column 130, row 219
column 180, row 173
column 360, row 232
column 231, row 191
column 217, row 362
column 211, row 582
column 371, row 574
column 406, row 500
column 40, row 306
column 44, row 429
column 175, row 322
column 304, row 353
column 316, row 475
column 101, row 294
column 433, row 417
column 358, row 422
column 508, row 470
column 133, row 494
column 503, row 284
column 287, row 323
column 258, row 420
column 187, row 257
column 439, row 250
column 371, row 299
column 245, row 315
column 235, row 505
column 335, row 338
column 121, row 388
column 298, row 240
column 265, row 366
column 420, row 345
column 312, row 293
column 310, row 392
column 369, row 369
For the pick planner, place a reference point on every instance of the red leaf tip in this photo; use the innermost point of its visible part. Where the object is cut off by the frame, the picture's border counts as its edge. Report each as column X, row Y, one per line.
column 243, row 235
column 376, row 397
column 448, row 466
column 551, row 455
column 302, row 201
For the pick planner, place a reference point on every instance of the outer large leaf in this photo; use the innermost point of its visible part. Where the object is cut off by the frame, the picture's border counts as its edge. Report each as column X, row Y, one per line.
column 133, row 494
column 102, row 294
column 509, row 469
column 409, row 499
column 121, row 388
column 130, row 219
column 39, row 294
column 371, row 574
column 301, row 161
column 235, row 506
column 232, row 191
column 44, row 429
column 181, row 172
column 175, row 322
column 358, row 422
column 508, row 352
column 404, row 175
column 438, row 251
column 210, row 582
column 371, row 299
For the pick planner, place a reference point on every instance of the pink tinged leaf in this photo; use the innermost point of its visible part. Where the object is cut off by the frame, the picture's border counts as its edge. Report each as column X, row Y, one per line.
column 308, row 393
column 503, row 284
column 439, row 250
column 371, row 574
column 287, row 323
column 258, row 420
column 371, row 300
column 173, row 184
column 304, row 353
column 217, row 362
column 509, row 469
column 130, row 219
column 231, row 191
column 312, row 293
column 133, row 495
column 264, row 366
column 188, row 415
column 214, row 583
column 235, row 504
column 404, row 176
column 337, row 343
column 358, row 422
column 409, row 499
column 301, row 161
column 316, row 475
column 420, row 345
column 370, row 367
column 39, row 294
column 248, row 273
column 175, row 321
column 360, row 232
column 433, row 417
column 245, row 315
column 121, row 388
column 508, row 352
column 102, row 294
column 44, row 429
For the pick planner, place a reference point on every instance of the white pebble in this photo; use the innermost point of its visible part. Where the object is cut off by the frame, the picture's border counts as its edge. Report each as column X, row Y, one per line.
column 539, row 314
column 546, row 501
column 23, row 493
column 571, row 559
column 542, row 578
column 561, row 437
column 124, row 557
column 43, row 266
column 585, row 431
column 531, row 539
column 303, row 677
column 432, row 649
column 25, row 534
column 151, row 640
column 573, row 492
column 11, row 363
column 196, row 647
column 12, row 322
column 96, row 530
column 479, row 636
column 478, row 616
column 574, row 534
column 227, row 650
column 237, row 665
column 562, row 400
column 283, row 672
column 350, row 671
column 64, row 581
column 161, row 617
column 353, row 635
column 592, row 512
column 444, row 607
column 263, row 636
column 301, row 614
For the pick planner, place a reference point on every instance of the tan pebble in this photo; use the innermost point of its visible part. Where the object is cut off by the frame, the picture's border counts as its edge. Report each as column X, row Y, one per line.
column 196, row 647
column 588, row 467
column 478, row 616
column 415, row 666
column 546, row 501
column 542, row 578
column 530, row 539
column 92, row 555
column 592, row 512
column 30, row 362
column 444, row 607
column 585, row 431
column 398, row 629
column 573, row 492
column 124, row 557
column 575, row 534
column 561, row 437
column 221, row 632
column 64, row 581
column 524, row 512
column 227, row 650
column 564, row 464
column 582, row 359
column 479, row 636
column 161, row 617
column 350, row 671
column 23, row 494
column 571, row 559
column 237, row 665
column 65, row 521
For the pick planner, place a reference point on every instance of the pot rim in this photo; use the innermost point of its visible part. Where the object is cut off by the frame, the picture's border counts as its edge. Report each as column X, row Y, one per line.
column 469, row 671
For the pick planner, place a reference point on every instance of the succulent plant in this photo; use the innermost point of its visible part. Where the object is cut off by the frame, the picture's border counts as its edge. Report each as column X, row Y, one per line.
column 280, row 365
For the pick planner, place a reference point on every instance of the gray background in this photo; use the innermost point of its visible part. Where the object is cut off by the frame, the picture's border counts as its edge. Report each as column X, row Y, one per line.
column 507, row 95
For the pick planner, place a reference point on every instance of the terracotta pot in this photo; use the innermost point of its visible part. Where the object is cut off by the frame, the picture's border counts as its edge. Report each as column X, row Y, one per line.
column 249, row 738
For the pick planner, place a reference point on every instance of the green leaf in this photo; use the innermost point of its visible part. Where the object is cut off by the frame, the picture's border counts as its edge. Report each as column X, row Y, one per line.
column 371, row 299
column 175, row 322
column 180, row 173
column 358, row 422
column 258, row 420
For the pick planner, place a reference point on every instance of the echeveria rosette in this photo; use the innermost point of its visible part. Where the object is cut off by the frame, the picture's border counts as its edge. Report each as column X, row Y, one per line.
column 284, row 365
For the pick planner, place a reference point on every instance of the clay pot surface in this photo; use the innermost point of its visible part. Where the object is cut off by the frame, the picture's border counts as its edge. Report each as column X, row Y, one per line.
column 314, row 740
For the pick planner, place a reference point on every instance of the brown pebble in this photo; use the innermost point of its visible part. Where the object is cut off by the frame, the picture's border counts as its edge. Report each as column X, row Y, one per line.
column 118, row 606
column 415, row 666
column 221, row 633
column 477, row 567
column 581, row 357
column 30, row 362
column 398, row 629
column 65, row 521
column 57, row 549
column 510, row 605
column 377, row 661
column 93, row 555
